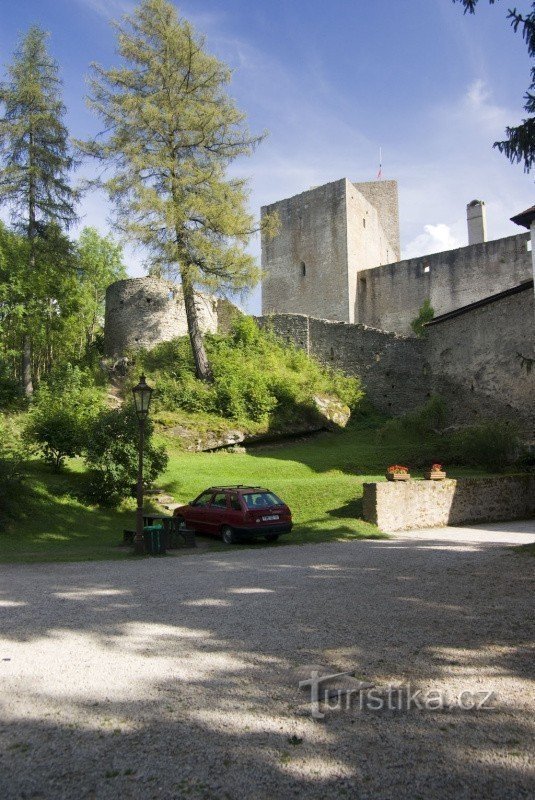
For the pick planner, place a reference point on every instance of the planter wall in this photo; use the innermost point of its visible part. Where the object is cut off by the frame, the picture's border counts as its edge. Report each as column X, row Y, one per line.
column 399, row 506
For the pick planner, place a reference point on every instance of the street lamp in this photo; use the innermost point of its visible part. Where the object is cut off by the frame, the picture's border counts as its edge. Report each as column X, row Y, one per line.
column 142, row 394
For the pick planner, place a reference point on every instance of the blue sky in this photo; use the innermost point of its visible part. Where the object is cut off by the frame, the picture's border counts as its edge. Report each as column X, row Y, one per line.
column 333, row 82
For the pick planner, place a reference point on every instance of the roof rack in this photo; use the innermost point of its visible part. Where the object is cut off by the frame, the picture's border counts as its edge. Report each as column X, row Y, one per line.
column 236, row 486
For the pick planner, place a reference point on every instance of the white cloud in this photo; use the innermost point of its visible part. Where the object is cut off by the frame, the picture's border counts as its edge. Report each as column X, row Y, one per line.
column 434, row 239
column 109, row 9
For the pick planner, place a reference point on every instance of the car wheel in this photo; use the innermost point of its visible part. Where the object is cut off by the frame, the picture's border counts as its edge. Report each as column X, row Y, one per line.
column 228, row 535
column 272, row 537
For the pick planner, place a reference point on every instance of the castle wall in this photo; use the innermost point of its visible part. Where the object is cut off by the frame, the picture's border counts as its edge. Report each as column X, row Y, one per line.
column 383, row 195
column 305, row 264
column 327, row 235
column 389, row 297
column 478, row 358
column 366, row 243
column 142, row 312
column 392, row 368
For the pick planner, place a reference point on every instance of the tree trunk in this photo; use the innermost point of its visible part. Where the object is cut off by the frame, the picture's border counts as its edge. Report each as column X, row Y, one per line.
column 26, row 341
column 27, row 365
column 203, row 370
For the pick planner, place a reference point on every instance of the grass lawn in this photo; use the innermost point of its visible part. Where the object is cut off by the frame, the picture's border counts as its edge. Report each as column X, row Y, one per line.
column 320, row 478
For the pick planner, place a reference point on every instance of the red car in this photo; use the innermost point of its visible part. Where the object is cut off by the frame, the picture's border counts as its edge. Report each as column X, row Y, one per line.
column 233, row 511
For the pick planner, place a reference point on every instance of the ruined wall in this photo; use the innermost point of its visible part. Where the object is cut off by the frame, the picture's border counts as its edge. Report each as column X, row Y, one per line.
column 327, row 235
column 479, row 358
column 383, row 195
column 389, row 297
column 392, row 368
column 367, row 244
column 142, row 312
column 305, row 264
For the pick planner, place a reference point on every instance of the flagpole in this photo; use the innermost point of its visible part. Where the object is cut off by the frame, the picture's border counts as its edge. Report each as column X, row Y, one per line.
column 380, row 173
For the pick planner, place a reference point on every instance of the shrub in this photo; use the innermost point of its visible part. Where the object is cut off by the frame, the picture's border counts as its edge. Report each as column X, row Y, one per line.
column 11, row 395
column 425, row 314
column 12, row 472
column 494, row 445
column 111, row 454
column 423, row 421
column 62, row 412
column 256, row 377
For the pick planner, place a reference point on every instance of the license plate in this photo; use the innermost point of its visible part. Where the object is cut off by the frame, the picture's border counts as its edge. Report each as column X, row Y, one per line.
column 271, row 516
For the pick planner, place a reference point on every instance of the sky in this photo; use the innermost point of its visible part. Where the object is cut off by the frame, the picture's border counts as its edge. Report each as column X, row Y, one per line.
column 332, row 83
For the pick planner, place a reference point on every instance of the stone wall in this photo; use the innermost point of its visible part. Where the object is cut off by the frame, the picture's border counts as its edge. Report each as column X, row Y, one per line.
column 405, row 505
column 305, row 264
column 479, row 358
column 389, row 297
column 327, row 235
column 392, row 368
column 142, row 312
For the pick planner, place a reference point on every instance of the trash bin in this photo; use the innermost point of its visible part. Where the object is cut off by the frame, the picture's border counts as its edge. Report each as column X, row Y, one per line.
column 154, row 537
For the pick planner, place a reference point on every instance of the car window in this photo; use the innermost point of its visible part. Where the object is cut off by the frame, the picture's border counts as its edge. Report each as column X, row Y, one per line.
column 203, row 499
column 234, row 502
column 262, row 500
column 220, row 500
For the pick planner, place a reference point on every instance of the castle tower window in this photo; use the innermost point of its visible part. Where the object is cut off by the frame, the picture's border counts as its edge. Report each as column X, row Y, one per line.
column 363, row 222
column 427, row 268
column 303, row 269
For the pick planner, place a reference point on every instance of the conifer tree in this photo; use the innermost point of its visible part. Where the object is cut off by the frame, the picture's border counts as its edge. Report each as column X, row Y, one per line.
column 34, row 153
column 171, row 130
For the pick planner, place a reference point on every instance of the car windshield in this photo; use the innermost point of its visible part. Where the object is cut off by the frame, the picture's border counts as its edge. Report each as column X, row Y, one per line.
column 262, row 500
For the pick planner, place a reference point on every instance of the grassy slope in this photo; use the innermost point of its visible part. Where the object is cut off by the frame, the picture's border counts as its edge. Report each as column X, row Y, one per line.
column 320, row 478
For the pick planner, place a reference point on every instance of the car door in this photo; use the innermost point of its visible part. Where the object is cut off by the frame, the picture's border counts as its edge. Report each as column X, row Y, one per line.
column 217, row 513
column 236, row 513
column 198, row 512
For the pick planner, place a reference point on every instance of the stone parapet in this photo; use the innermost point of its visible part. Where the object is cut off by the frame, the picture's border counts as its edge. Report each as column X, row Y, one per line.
column 400, row 506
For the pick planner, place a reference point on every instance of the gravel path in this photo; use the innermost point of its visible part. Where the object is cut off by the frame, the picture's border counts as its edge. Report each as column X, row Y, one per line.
column 177, row 677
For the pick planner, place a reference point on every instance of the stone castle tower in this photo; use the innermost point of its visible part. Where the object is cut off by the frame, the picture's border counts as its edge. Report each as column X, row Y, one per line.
column 142, row 312
column 327, row 236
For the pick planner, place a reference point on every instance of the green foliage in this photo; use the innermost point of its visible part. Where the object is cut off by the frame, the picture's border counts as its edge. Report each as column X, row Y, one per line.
column 11, row 397
column 100, row 263
column 427, row 419
column 62, row 413
column 425, row 314
column 256, row 377
column 171, row 131
column 34, row 147
column 111, row 454
column 494, row 445
column 12, row 471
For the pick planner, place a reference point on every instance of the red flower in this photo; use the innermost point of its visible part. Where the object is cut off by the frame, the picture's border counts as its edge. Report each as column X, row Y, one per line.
column 397, row 469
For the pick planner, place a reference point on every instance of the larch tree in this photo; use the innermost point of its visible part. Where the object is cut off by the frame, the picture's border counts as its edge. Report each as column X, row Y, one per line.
column 35, row 159
column 519, row 146
column 171, row 131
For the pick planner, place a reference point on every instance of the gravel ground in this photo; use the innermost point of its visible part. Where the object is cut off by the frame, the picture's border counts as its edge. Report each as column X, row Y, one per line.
column 177, row 677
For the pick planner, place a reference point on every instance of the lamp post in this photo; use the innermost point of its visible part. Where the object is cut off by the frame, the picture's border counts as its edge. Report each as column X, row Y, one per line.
column 142, row 394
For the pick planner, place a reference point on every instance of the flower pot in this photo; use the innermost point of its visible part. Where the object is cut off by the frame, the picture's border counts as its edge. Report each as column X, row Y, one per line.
column 398, row 476
column 434, row 476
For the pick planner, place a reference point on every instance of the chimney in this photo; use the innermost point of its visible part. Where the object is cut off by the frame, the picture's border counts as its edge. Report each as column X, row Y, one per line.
column 476, row 217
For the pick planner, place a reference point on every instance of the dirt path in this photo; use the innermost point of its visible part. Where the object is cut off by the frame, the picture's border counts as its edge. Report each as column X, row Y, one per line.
column 174, row 678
